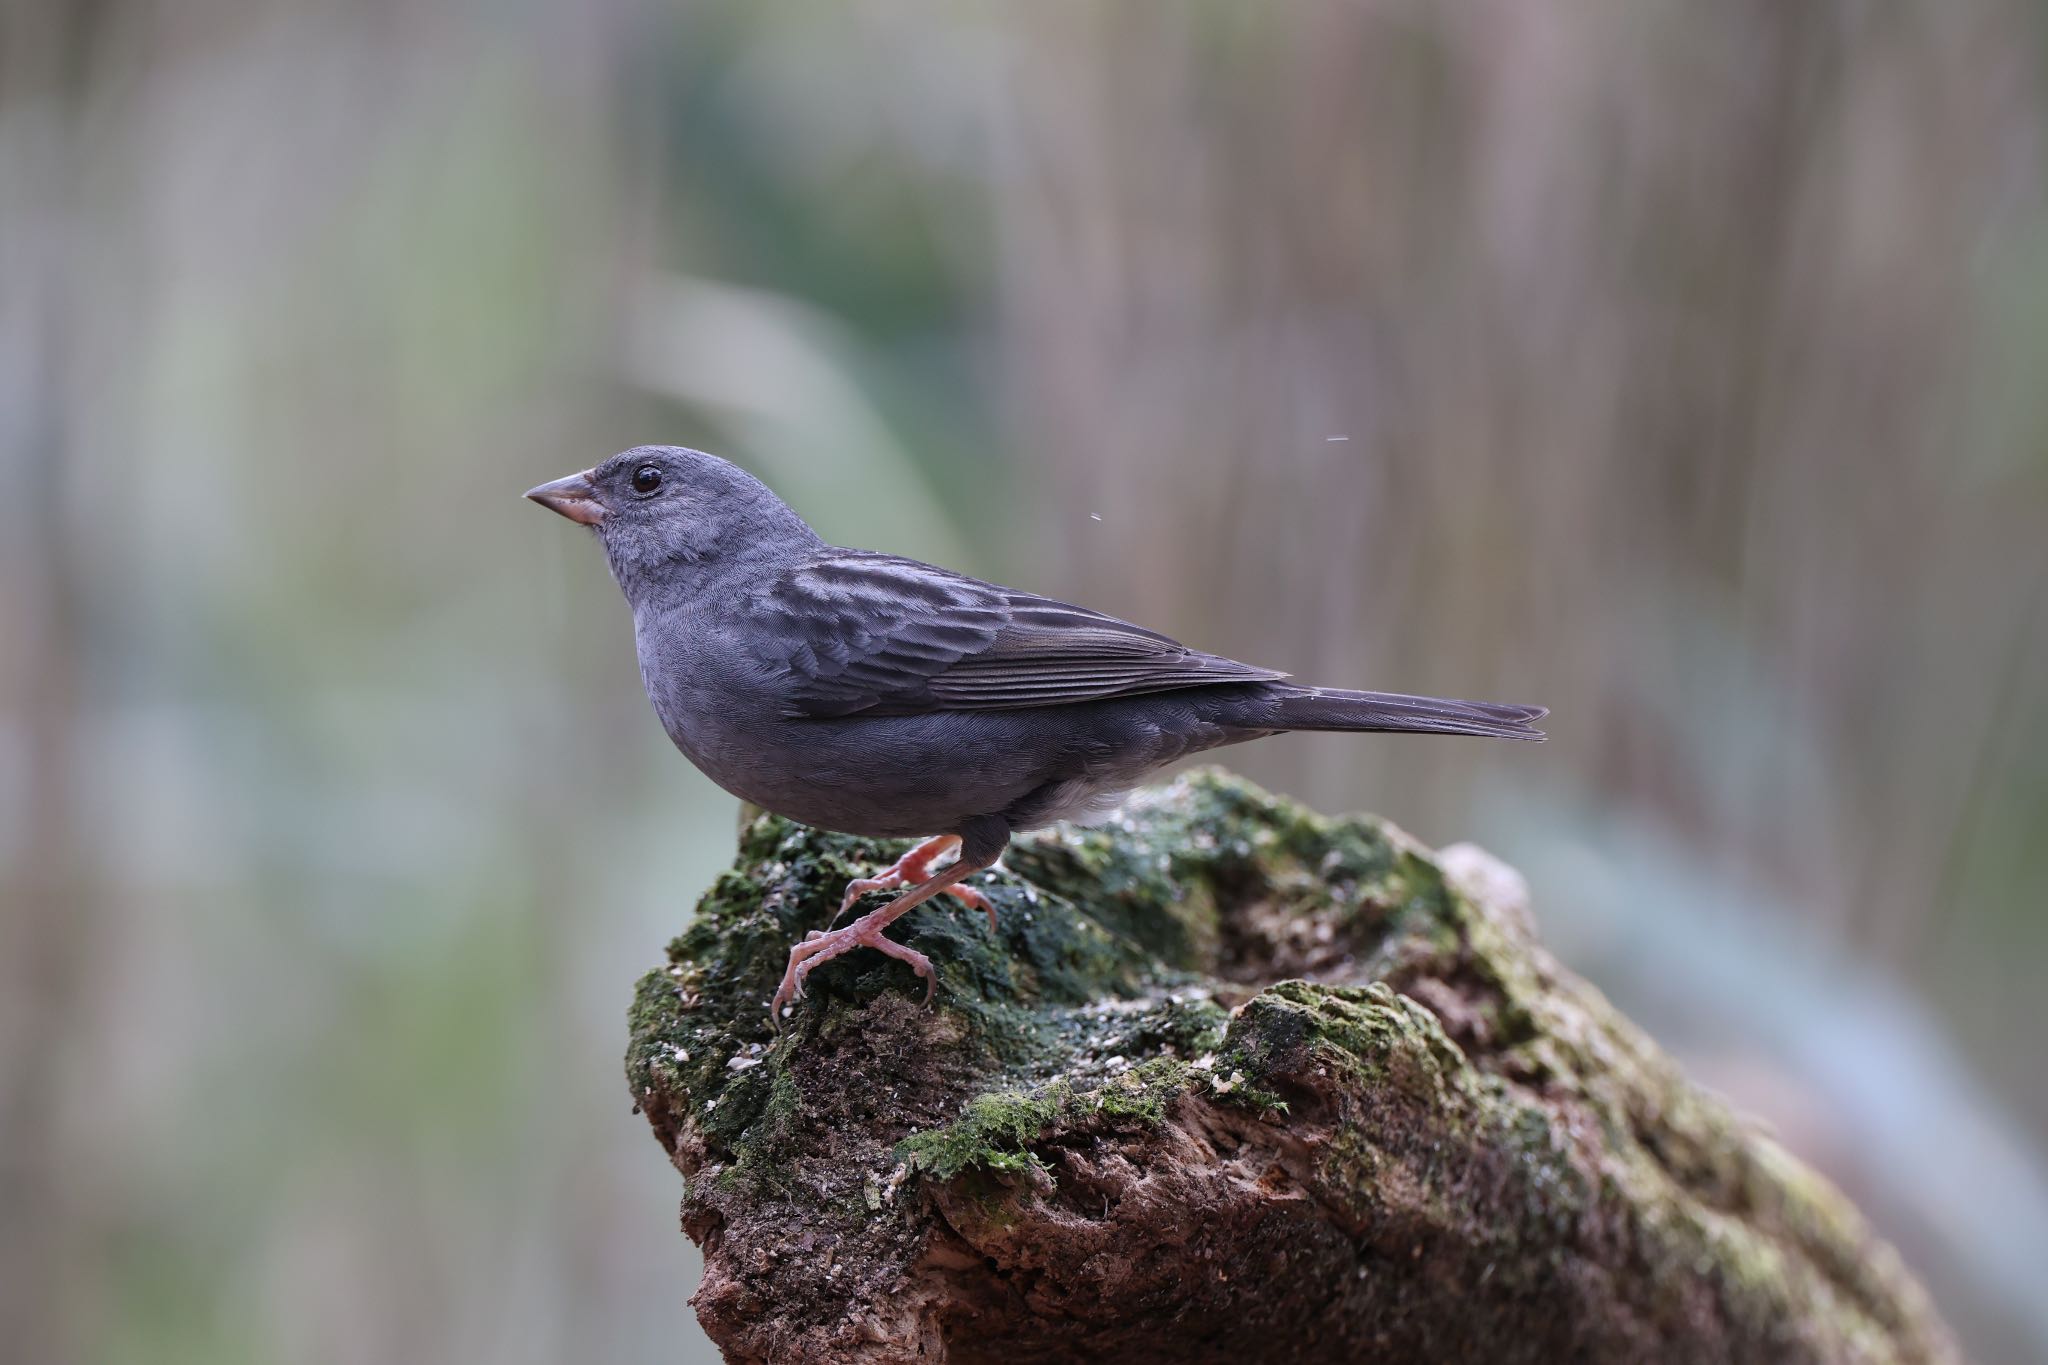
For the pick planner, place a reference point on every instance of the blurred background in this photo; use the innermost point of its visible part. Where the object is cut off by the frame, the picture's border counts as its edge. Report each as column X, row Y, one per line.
column 1678, row 365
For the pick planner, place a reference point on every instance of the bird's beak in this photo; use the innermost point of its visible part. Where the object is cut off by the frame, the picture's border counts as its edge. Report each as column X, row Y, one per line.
column 574, row 497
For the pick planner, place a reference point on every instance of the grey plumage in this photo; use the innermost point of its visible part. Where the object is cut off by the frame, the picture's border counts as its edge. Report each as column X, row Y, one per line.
column 876, row 695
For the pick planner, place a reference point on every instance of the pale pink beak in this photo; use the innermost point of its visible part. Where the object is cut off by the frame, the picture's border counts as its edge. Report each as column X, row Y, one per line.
column 574, row 497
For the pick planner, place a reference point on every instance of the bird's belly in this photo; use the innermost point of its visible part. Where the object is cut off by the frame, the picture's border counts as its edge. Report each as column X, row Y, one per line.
column 883, row 777
column 1079, row 801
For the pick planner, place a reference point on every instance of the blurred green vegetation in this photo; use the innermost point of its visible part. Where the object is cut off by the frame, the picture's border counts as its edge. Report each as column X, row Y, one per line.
column 1674, row 365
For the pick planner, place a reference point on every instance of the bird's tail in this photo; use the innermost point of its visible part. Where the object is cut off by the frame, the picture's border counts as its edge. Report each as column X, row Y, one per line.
column 1333, row 708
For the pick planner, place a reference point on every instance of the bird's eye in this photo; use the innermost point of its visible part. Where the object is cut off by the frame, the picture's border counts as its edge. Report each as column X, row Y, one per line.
column 646, row 479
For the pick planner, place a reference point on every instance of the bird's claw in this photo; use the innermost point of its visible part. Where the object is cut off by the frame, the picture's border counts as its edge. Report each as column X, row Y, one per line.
column 889, row 880
column 819, row 947
column 886, row 880
column 914, row 870
column 910, row 869
column 974, row 900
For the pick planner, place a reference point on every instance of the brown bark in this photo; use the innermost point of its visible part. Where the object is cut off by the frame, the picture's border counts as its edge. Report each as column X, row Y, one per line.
column 1233, row 1082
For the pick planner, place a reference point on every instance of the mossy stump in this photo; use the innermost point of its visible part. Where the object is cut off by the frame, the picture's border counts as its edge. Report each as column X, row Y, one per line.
column 1229, row 1081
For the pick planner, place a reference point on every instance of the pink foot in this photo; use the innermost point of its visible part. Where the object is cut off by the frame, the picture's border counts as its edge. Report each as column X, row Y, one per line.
column 974, row 900
column 910, row 870
column 821, row 946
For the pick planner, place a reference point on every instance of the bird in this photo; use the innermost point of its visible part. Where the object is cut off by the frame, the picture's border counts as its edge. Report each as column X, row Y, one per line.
column 870, row 694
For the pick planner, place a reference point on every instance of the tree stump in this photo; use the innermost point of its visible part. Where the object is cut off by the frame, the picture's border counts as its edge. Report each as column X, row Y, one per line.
column 1230, row 1081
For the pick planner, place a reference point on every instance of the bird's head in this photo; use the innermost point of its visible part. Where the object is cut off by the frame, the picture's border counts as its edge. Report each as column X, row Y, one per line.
column 667, row 514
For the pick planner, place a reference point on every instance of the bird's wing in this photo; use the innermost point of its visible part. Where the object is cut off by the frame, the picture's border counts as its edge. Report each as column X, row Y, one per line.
column 872, row 634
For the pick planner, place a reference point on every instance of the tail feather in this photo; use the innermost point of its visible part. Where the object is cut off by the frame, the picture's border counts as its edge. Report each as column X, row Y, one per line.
column 1332, row 708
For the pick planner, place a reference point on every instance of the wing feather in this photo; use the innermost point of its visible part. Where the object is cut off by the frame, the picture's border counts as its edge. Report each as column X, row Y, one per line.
column 878, row 635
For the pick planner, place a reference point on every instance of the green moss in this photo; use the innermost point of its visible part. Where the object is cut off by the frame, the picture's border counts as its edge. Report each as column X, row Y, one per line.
column 996, row 1133
column 1395, row 1084
column 1156, row 886
column 1003, row 1131
column 1528, row 1114
column 1190, row 870
column 1026, row 997
column 1367, row 1032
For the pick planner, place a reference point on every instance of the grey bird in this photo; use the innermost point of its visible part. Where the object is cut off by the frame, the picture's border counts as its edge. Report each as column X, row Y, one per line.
column 879, row 696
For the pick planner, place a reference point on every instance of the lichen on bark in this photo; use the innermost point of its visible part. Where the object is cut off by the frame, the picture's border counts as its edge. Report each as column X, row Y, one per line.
column 1229, row 1079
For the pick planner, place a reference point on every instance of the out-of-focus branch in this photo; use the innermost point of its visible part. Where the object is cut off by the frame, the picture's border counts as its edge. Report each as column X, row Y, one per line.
column 46, row 927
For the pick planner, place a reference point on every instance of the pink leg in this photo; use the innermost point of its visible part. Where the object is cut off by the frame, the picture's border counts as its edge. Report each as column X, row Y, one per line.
column 912, row 868
column 821, row 946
